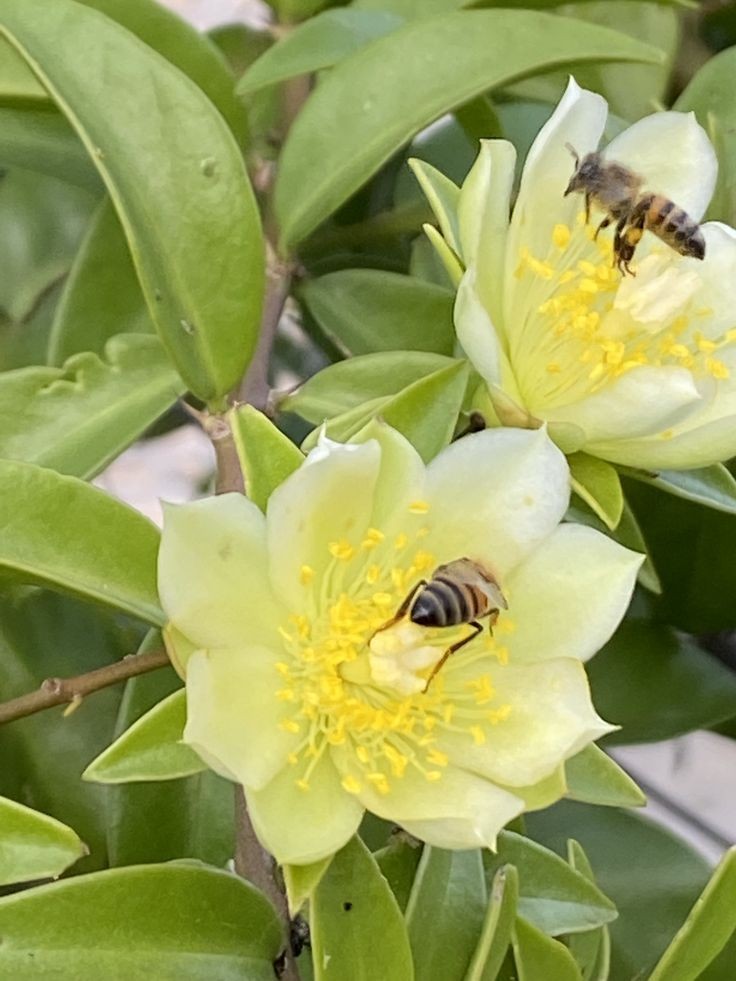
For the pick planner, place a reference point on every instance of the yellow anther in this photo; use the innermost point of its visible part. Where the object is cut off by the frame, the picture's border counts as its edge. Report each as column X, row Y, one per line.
column 667, row 434
column 372, row 538
column 731, row 335
column 341, row 550
column 351, row 784
column 362, row 753
column 433, row 775
column 588, row 268
column 419, row 507
column 383, row 599
column 285, row 635
column 379, row 781
column 293, row 759
column 306, row 575
column 286, row 695
column 401, row 540
column 706, row 346
column 283, row 669
column 437, row 757
column 717, row 368
column 302, row 784
column 502, row 655
column 479, row 736
column 553, row 368
column 373, row 574
column 561, row 236
column 289, row 725
column 495, row 716
column 588, row 285
column 423, row 560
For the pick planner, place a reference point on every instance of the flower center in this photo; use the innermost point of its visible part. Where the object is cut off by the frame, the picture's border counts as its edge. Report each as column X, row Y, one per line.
column 586, row 324
column 368, row 703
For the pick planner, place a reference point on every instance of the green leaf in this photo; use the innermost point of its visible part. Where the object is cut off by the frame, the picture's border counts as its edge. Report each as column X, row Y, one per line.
column 77, row 418
column 539, row 957
column 348, row 384
column 316, row 44
column 266, row 455
column 444, row 915
column 495, row 934
column 162, row 921
column 653, row 877
column 302, row 880
column 101, row 295
column 591, row 950
column 43, row 635
column 357, row 928
column 712, row 486
column 398, row 861
column 593, row 777
column 656, row 684
column 552, row 896
column 709, row 926
column 151, row 749
column 43, row 141
column 63, row 533
column 709, row 95
column 18, row 84
column 597, row 482
column 192, row 817
column 367, row 310
column 332, row 149
column 33, row 845
column 147, row 118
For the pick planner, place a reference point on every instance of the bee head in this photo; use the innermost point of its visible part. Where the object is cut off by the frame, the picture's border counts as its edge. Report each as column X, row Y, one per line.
column 587, row 171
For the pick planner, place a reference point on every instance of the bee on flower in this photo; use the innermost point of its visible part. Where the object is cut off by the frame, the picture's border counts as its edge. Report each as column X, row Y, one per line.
column 307, row 669
column 622, row 340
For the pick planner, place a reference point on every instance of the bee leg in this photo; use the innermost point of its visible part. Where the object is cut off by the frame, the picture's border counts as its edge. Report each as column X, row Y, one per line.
column 401, row 612
column 587, row 209
column 477, row 629
column 619, row 249
column 604, row 224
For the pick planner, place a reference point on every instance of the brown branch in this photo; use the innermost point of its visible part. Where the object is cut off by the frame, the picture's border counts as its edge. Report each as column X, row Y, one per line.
column 70, row 691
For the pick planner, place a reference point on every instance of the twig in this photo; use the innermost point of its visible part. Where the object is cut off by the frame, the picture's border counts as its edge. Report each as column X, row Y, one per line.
column 70, row 691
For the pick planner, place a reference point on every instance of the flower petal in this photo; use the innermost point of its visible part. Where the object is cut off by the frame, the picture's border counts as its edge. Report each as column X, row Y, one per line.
column 222, row 539
column 578, row 120
column 494, row 496
column 302, row 826
column 671, row 150
column 233, row 713
column 328, row 499
column 483, row 208
column 551, row 718
column 569, row 595
column 401, row 475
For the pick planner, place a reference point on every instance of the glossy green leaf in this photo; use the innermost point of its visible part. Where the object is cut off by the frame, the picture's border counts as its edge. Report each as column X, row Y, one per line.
column 302, row 880
column 495, row 935
column 593, row 777
column 332, row 149
column 398, row 861
column 712, row 486
column 34, row 845
column 137, row 923
column 444, row 915
column 539, row 957
column 147, row 119
column 705, row 932
column 348, row 384
column 192, row 817
column 356, row 925
column 63, row 533
column 101, row 295
column 43, row 141
column 18, row 84
column 591, row 950
column 652, row 877
column 597, row 482
column 426, row 8
column 709, row 95
column 266, row 455
column 367, row 310
column 552, row 896
column 318, row 43
column 42, row 635
column 77, row 418
column 151, row 749
column 657, row 684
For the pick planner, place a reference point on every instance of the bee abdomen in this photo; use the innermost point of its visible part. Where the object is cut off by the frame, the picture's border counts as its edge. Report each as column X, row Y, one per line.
column 443, row 603
column 674, row 226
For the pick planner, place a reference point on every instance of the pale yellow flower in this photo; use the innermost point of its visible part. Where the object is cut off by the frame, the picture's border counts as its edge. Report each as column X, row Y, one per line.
column 271, row 619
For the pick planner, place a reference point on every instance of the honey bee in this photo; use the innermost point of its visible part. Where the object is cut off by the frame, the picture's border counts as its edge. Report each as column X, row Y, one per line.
column 617, row 191
column 458, row 592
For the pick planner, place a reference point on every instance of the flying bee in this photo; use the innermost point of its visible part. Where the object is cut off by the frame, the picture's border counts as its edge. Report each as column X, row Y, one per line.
column 458, row 592
column 617, row 191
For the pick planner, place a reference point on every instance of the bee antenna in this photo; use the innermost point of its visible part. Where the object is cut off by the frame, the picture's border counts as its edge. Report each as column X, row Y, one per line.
column 574, row 152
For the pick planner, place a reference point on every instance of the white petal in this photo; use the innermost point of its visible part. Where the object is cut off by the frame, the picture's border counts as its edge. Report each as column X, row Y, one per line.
column 567, row 597
column 551, row 718
column 212, row 572
column 328, row 499
column 302, row 826
column 644, row 400
column 401, row 475
column 671, row 150
column 494, row 496
column 233, row 713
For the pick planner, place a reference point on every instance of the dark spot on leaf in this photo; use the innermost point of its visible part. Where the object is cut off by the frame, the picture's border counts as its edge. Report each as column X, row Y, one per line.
column 347, row 907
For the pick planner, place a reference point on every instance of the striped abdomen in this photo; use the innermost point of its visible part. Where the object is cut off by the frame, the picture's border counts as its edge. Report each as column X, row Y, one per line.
column 458, row 592
column 671, row 224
